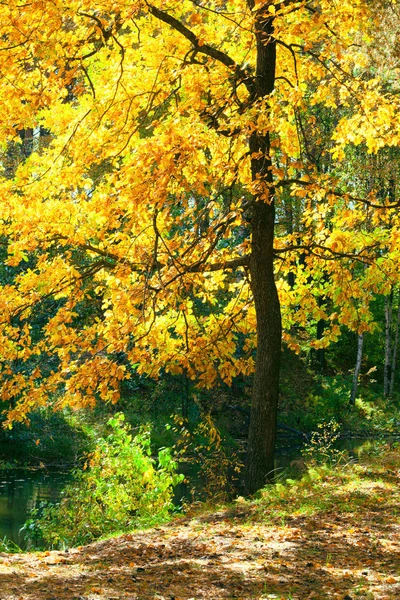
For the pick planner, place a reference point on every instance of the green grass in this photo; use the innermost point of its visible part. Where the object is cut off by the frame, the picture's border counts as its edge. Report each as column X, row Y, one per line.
column 9, row 546
column 348, row 488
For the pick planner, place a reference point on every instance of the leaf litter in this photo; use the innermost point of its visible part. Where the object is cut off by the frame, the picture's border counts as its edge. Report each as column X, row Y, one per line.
column 347, row 548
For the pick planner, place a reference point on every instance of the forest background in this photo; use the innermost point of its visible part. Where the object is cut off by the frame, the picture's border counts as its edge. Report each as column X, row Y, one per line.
column 197, row 200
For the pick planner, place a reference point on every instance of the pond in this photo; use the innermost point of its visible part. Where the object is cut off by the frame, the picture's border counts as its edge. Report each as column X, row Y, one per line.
column 289, row 449
column 20, row 491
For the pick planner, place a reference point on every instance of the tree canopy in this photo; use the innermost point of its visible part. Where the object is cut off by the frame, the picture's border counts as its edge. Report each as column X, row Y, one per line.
column 174, row 172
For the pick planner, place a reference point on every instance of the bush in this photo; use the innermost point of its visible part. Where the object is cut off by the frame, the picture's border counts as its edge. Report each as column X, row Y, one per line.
column 120, row 488
column 320, row 450
column 212, row 466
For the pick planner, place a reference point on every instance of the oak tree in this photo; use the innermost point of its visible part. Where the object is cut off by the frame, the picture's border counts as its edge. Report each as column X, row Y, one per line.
column 170, row 142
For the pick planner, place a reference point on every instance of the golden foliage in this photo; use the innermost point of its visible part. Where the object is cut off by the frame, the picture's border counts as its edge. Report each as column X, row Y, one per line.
column 131, row 191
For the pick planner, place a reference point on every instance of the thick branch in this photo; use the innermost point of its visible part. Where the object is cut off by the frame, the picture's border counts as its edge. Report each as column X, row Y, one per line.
column 241, row 261
column 206, row 49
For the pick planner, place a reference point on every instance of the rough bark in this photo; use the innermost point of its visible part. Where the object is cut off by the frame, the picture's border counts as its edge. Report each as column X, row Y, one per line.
column 262, row 430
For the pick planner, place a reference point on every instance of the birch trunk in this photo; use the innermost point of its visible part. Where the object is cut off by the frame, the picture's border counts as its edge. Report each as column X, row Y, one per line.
column 360, row 344
column 394, row 353
column 388, row 326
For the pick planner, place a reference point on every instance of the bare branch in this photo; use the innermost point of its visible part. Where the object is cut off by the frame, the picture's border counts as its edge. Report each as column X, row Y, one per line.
column 313, row 248
column 89, row 80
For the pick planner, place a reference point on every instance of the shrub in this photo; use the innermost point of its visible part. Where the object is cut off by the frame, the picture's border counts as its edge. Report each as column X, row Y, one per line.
column 212, row 465
column 320, row 450
column 120, row 488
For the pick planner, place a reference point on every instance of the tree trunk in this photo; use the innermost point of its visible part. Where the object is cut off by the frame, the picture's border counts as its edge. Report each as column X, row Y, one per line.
column 360, row 343
column 388, row 340
column 320, row 354
column 262, row 430
column 394, row 354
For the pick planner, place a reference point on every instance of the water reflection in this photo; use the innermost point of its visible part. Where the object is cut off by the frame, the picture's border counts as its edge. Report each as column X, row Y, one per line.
column 21, row 491
column 289, row 451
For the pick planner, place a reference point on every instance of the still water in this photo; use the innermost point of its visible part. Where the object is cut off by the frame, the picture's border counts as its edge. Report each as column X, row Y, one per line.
column 20, row 491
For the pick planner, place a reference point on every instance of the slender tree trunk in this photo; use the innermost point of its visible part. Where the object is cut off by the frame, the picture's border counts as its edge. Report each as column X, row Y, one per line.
column 394, row 354
column 360, row 344
column 320, row 354
column 388, row 326
column 288, row 207
column 262, row 430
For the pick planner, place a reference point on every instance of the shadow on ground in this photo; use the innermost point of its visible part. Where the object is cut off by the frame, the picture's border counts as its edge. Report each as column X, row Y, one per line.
column 330, row 554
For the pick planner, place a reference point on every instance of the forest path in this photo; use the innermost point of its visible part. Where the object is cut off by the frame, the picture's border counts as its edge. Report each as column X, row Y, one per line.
column 347, row 547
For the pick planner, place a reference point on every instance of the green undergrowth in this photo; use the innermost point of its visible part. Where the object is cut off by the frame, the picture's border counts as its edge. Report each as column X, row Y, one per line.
column 371, row 482
column 121, row 487
column 8, row 546
column 48, row 440
column 342, row 486
column 328, row 397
